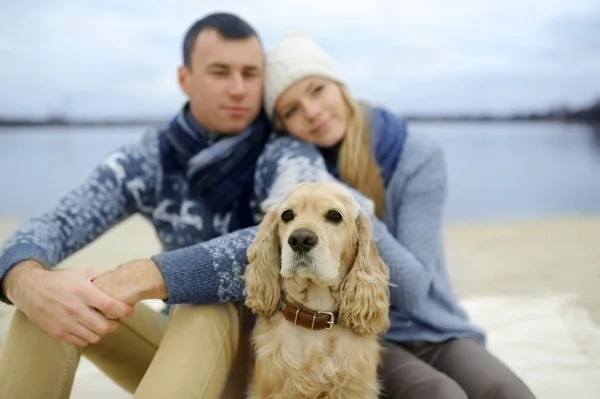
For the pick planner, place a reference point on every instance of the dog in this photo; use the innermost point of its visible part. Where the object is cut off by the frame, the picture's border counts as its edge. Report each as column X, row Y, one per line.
column 320, row 294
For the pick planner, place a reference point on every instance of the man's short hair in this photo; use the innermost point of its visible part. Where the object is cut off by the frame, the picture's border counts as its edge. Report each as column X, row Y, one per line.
column 229, row 26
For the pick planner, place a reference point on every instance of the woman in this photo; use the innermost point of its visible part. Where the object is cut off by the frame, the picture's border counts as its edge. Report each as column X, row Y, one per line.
column 432, row 350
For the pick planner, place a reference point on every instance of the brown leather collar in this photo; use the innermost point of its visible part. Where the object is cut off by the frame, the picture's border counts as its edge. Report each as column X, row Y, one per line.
column 307, row 318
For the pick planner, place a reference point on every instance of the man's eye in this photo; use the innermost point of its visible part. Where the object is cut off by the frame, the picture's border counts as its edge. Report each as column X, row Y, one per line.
column 333, row 216
column 287, row 215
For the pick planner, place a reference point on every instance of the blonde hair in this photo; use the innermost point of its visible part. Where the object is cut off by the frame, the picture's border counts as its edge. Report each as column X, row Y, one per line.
column 356, row 161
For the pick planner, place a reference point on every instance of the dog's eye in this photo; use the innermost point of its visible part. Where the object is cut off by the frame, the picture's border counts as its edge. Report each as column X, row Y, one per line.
column 333, row 216
column 287, row 215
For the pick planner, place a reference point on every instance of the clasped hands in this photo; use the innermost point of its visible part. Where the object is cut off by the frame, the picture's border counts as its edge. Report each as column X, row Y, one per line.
column 81, row 305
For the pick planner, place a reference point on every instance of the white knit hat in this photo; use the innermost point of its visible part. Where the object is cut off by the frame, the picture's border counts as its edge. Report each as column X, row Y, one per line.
column 295, row 57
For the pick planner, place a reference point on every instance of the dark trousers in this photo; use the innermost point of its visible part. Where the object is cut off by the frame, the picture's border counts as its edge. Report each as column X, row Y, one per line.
column 455, row 369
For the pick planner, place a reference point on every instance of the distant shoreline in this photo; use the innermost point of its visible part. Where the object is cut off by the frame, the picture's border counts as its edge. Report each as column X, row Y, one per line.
column 588, row 115
column 74, row 123
column 141, row 123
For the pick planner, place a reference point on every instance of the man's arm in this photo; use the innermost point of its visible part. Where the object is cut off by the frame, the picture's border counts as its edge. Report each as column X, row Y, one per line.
column 120, row 185
column 212, row 271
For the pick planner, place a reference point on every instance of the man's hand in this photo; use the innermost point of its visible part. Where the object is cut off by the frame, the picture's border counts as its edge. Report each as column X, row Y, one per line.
column 65, row 304
column 133, row 281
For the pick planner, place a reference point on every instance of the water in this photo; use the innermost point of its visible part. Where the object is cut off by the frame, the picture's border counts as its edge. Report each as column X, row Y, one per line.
column 495, row 170
column 519, row 170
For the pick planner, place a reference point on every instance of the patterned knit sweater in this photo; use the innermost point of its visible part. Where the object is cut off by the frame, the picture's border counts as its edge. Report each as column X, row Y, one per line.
column 133, row 180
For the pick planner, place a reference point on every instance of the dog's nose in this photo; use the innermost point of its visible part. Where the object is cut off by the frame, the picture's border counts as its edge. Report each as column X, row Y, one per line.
column 302, row 240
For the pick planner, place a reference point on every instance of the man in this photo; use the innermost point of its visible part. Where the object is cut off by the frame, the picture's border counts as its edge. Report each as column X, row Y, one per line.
column 193, row 181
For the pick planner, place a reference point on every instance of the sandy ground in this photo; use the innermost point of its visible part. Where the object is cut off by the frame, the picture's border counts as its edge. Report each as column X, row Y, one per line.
column 531, row 284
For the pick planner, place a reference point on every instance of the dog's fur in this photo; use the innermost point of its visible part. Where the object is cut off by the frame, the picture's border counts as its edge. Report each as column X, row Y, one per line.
column 342, row 273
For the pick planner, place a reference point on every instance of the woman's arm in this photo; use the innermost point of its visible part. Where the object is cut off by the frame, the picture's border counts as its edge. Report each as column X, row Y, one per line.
column 417, row 194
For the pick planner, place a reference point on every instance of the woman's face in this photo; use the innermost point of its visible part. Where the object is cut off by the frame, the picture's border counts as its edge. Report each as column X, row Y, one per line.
column 314, row 110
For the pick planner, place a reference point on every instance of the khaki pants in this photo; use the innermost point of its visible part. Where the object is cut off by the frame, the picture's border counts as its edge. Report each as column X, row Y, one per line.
column 188, row 355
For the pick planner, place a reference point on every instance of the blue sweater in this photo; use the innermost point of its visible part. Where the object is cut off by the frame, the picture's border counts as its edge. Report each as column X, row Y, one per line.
column 133, row 180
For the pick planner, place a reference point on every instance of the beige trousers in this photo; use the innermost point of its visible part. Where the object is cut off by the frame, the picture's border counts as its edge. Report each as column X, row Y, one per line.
column 188, row 355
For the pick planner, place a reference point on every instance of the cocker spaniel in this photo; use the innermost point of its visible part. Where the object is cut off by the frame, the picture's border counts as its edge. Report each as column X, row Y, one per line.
column 320, row 290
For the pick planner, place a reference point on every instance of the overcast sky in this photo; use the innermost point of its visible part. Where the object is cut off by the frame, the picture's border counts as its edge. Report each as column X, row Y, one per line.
column 111, row 58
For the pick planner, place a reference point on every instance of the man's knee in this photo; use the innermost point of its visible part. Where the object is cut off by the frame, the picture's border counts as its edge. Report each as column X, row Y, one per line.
column 439, row 387
column 21, row 321
column 215, row 324
column 21, row 328
column 208, row 336
column 222, row 313
column 508, row 390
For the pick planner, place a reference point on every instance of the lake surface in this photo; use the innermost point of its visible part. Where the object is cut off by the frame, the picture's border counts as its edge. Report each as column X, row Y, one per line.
column 496, row 171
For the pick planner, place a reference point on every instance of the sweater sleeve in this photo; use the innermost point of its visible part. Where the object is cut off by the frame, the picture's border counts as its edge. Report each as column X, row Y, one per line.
column 121, row 184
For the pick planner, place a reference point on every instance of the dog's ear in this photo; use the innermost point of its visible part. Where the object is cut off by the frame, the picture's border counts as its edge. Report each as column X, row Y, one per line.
column 262, row 274
column 365, row 296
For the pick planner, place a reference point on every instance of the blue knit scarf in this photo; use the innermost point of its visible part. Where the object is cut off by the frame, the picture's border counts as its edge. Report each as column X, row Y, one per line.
column 219, row 168
column 389, row 134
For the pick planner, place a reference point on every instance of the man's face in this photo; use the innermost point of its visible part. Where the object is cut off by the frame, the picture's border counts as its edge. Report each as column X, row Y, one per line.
column 224, row 81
